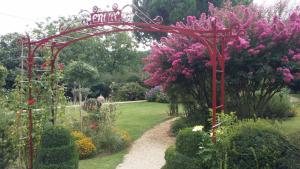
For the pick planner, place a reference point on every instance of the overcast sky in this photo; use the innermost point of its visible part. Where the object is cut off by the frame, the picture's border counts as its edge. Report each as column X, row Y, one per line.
column 20, row 15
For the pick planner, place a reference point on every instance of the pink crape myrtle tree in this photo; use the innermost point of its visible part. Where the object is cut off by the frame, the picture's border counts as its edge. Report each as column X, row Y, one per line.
column 258, row 65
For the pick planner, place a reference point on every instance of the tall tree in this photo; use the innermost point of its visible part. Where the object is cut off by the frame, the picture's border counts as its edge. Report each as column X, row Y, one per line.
column 10, row 52
column 81, row 75
column 173, row 11
column 258, row 65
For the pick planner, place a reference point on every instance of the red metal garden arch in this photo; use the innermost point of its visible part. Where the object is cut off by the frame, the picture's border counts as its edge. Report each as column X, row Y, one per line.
column 100, row 23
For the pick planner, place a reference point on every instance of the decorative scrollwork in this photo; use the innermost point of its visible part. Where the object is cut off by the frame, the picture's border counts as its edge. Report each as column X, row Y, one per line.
column 95, row 9
column 117, row 15
column 158, row 20
column 65, row 26
column 115, row 7
column 99, row 16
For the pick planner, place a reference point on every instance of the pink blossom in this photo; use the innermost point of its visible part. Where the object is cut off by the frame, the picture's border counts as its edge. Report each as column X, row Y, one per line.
column 260, row 46
column 208, row 64
column 178, row 55
column 243, row 43
column 279, row 69
column 176, row 63
column 253, row 52
column 291, row 52
column 286, row 73
column 296, row 57
column 288, row 78
column 293, row 16
column 285, row 59
column 230, row 43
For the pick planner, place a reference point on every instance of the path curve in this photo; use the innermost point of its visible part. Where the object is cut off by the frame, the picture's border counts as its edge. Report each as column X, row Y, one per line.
column 294, row 99
column 148, row 151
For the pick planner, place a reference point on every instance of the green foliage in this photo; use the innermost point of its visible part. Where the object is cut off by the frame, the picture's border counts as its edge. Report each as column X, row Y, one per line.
column 278, row 107
column 294, row 138
column 100, row 89
column 130, row 91
column 245, row 144
column 8, row 149
column 179, row 124
column 3, row 75
column 55, row 137
column 111, row 140
column 259, row 144
column 90, row 105
column 80, row 73
column 102, row 131
column 57, row 150
column 173, row 103
column 196, row 112
column 188, row 141
column 10, row 52
column 115, row 53
column 295, row 87
column 176, row 160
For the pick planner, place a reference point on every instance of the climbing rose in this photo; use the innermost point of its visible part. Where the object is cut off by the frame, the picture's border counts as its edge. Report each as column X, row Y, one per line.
column 61, row 66
column 31, row 102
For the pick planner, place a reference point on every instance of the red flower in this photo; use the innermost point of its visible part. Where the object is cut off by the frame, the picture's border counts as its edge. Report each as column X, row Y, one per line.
column 44, row 65
column 93, row 125
column 31, row 102
column 61, row 66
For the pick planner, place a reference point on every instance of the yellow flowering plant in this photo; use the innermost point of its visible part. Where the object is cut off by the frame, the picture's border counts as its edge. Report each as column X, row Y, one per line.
column 84, row 145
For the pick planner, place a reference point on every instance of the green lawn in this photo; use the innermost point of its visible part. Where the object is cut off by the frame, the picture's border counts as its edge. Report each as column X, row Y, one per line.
column 136, row 118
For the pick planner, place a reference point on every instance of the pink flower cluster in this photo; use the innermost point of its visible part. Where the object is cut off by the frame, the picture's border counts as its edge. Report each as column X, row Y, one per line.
column 173, row 58
column 275, row 42
column 287, row 75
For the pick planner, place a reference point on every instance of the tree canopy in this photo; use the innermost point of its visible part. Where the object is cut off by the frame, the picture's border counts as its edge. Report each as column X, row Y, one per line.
column 258, row 65
column 10, row 53
column 80, row 73
column 173, row 11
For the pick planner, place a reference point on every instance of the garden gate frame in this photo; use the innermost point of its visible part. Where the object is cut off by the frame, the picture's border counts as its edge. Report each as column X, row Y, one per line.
column 98, row 23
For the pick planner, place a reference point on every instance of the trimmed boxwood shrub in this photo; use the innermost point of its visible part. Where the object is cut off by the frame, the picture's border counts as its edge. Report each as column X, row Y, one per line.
column 179, row 124
column 57, row 150
column 258, row 144
column 187, row 142
column 176, row 160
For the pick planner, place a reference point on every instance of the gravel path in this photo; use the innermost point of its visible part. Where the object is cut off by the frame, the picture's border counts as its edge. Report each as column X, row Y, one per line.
column 148, row 151
column 294, row 99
